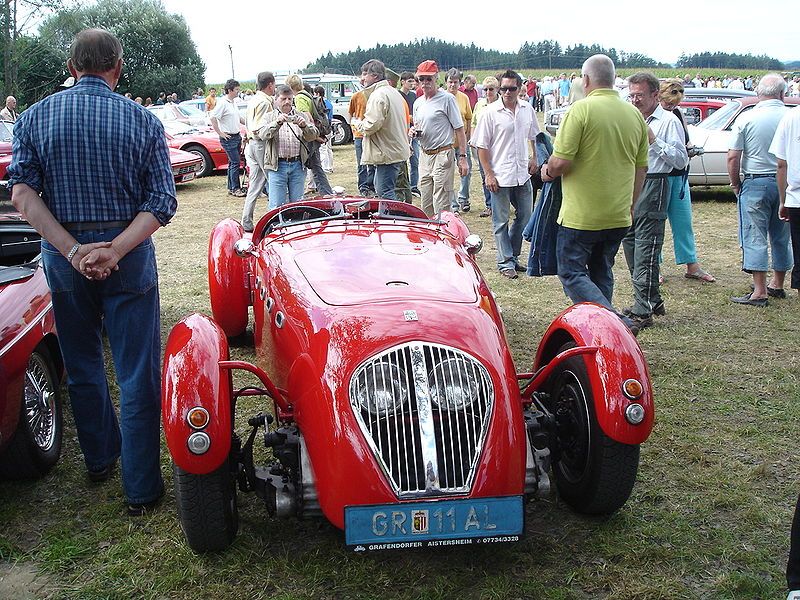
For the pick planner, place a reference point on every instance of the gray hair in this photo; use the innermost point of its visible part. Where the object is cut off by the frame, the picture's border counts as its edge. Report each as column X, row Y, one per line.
column 771, row 85
column 599, row 68
column 454, row 74
column 95, row 51
column 647, row 78
column 284, row 90
column 374, row 67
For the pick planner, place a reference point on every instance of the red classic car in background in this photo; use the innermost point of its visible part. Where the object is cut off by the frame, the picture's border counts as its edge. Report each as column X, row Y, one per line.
column 394, row 408
column 202, row 143
column 186, row 166
column 31, row 421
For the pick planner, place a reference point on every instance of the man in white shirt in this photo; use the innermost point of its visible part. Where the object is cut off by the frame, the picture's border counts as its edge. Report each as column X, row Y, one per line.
column 786, row 148
column 9, row 113
column 502, row 137
column 761, row 232
column 226, row 120
column 643, row 242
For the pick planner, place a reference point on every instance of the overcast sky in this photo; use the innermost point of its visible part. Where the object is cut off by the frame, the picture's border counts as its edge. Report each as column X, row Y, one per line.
column 280, row 36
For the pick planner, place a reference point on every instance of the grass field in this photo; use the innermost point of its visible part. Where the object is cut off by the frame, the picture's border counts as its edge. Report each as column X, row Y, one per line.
column 708, row 519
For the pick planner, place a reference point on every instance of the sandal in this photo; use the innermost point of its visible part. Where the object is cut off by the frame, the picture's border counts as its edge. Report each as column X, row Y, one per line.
column 700, row 275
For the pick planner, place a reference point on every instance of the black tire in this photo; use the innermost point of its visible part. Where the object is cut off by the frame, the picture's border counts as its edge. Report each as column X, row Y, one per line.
column 593, row 473
column 207, row 165
column 342, row 134
column 36, row 445
column 207, row 508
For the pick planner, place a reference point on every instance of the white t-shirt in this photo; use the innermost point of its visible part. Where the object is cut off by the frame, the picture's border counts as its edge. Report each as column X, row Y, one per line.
column 227, row 115
column 786, row 146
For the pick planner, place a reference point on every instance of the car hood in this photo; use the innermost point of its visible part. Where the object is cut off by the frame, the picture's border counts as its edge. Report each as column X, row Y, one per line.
column 357, row 269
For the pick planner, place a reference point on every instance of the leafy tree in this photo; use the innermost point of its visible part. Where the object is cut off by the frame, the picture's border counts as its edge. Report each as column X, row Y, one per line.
column 159, row 53
column 725, row 60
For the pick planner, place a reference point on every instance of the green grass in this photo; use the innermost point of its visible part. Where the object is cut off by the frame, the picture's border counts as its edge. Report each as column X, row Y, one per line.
column 709, row 516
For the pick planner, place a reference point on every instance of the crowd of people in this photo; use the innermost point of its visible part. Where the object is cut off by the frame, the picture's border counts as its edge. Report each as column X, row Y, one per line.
column 622, row 168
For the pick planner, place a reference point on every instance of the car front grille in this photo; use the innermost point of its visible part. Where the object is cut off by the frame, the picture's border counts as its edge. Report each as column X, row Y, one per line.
column 424, row 410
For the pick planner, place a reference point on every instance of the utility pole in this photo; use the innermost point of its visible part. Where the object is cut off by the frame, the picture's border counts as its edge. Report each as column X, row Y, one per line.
column 230, row 49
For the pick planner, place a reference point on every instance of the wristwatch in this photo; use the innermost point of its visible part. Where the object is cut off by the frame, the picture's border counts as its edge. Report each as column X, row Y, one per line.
column 73, row 251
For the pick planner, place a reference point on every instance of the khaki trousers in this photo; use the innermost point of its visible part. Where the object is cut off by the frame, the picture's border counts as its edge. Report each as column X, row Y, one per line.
column 436, row 173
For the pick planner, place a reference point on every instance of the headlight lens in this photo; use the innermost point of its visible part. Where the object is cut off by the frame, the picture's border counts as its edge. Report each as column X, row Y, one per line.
column 381, row 389
column 453, row 384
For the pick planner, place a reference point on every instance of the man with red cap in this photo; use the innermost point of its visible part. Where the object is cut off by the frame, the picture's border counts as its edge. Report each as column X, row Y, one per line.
column 436, row 119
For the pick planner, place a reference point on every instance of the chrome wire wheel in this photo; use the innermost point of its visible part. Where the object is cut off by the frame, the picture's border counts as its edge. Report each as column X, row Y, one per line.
column 40, row 403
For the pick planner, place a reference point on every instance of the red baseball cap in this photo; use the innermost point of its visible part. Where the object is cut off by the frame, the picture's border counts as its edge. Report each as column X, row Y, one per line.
column 428, row 67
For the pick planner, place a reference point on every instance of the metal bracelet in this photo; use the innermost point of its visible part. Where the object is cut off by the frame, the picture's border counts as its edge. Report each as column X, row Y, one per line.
column 73, row 252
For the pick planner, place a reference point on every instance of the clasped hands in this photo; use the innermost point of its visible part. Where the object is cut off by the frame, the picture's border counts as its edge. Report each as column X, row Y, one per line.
column 96, row 261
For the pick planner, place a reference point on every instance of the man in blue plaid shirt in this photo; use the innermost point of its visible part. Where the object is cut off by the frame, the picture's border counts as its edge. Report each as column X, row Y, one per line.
column 91, row 173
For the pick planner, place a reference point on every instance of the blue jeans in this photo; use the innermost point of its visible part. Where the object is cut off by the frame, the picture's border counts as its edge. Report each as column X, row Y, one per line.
column 126, row 306
column 413, row 175
column 366, row 173
column 231, row 147
column 509, row 240
column 760, row 228
column 585, row 262
column 286, row 183
column 386, row 180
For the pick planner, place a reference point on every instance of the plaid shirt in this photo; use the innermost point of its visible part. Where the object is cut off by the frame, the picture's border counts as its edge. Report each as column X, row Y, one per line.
column 94, row 155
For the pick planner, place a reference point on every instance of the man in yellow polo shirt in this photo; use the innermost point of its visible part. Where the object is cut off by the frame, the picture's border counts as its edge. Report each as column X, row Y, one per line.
column 601, row 151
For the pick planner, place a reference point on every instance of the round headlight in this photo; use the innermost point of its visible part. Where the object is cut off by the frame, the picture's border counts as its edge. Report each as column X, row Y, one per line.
column 381, row 389
column 634, row 413
column 453, row 384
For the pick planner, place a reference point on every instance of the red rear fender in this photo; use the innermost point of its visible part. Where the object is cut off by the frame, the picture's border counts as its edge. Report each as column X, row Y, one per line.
column 193, row 378
column 618, row 358
column 228, row 278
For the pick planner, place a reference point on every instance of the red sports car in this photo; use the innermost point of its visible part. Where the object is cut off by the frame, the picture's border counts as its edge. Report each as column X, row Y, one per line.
column 204, row 144
column 185, row 165
column 30, row 363
column 392, row 404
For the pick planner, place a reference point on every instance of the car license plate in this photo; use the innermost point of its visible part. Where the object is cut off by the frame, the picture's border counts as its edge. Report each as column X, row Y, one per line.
column 187, row 177
column 434, row 523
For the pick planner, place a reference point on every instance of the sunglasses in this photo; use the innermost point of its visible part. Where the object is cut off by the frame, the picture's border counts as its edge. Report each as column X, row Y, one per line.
column 424, row 78
column 512, row 88
column 490, row 89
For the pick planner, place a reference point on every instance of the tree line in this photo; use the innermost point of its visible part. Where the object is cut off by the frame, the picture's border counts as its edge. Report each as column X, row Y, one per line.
column 159, row 52
column 725, row 60
column 546, row 54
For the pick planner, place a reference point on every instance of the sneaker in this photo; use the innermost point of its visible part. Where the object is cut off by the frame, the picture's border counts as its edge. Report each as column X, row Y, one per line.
column 510, row 273
column 416, row 192
column 237, row 193
column 102, row 474
column 464, row 205
column 486, row 212
column 519, row 268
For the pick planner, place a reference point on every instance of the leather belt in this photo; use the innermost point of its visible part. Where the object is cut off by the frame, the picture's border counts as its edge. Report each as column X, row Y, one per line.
column 437, row 150
column 292, row 159
column 657, row 176
column 95, row 225
column 758, row 175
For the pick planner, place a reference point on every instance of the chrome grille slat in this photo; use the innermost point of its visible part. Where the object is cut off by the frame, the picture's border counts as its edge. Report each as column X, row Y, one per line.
column 423, row 446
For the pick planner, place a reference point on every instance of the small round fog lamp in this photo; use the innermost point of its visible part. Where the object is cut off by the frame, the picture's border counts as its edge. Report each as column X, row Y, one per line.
column 632, row 388
column 634, row 413
column 197, row 417
column 199, row 443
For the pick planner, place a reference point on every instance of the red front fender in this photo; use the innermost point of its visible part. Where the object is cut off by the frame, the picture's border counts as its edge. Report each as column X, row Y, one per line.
column 617, row 359
column 228, row 275
column 192, row 377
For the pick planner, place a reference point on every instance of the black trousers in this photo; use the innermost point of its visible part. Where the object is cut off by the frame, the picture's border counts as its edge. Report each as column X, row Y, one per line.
column 793, row 565
column 794, row 227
